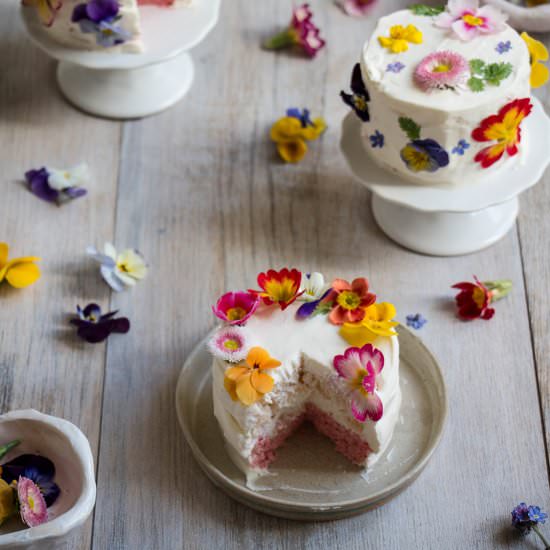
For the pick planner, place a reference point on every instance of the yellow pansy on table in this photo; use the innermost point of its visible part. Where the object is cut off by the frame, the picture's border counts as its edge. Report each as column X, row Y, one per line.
column 19, row 272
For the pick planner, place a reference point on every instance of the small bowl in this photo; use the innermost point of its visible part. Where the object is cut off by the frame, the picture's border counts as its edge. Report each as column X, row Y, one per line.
column 535, row 19
column 68, row 448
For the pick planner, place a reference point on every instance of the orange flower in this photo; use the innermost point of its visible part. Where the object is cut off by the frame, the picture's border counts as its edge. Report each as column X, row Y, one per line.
column 504, row 128
column 248, row 382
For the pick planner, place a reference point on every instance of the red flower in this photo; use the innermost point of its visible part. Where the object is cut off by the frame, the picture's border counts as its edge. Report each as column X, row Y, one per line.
column 473, row 300
column 279, row 287
column 349, row 301
column 504, row 128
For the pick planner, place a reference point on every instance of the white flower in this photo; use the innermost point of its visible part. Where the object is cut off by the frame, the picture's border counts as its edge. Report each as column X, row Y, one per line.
column 314, row 286
column 77, row 176
column 119, row 270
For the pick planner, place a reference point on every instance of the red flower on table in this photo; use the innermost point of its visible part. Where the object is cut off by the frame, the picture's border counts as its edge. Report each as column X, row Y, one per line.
column 349, row 301
column 473, row 300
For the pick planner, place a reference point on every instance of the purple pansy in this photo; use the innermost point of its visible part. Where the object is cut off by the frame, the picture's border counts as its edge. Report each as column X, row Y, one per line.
column 95, row 327
column 396, row 67
column 58, row 186
column 99, row 17
column 96, row 11
column 359, row 99
column 302, row 116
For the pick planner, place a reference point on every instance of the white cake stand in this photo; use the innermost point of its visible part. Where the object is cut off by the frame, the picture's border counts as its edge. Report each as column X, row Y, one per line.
column 445, row 220
column 132, row 85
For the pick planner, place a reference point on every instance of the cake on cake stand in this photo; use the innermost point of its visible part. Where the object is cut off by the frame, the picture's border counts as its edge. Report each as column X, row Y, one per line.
column 443, row 220
column 132, row 85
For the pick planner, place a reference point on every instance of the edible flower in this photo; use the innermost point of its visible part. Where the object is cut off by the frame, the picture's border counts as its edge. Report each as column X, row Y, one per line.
column 400, row 37
column 95, row 327
column 279, row 287
column 537, row 53
column 58, row 186
column 32, row 505
column 460, row 147
column 502, row 128
column 416, row 321
column 359, row 98
column 236, row 308
column 528, row 518
column 119, row 270
column 313, row 291
column 474, row 299
column 99, row 17
column 301, row 32
column 46, row 9
column 467, row 20
column 356, row 8
column 8, row 505
column 376, row 323
column 442, row 70
column 360, row 367
column 229, row 344
column 248, row 382
column 349, row 300
column 396, row 67
column 20, row 272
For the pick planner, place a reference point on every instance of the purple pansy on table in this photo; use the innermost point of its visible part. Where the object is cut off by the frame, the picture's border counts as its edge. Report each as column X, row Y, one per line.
column 57, row 186
column 359, row 98
column 377, row 139
column 396, row 67
column 94, row 327
column 503, row 47
column 99, row 17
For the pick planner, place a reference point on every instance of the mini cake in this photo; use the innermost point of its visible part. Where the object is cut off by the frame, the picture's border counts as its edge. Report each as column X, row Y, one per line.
column 442, row 92
column 299, row 350
column 109, row 25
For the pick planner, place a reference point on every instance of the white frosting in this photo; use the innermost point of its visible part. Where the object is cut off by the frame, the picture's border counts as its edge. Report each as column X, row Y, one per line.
column 312, row 342
column 447, row 116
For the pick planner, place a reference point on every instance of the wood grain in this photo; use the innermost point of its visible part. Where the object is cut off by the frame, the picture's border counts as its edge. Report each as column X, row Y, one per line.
column 200, row 192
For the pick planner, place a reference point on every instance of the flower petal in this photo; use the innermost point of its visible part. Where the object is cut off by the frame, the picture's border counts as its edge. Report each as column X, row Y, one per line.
column 262, row 383
column 245, row 391
column 364, row 406
column 110, row 277
column 356, row 335
column 234, row 373
column 257, row 356
column 4, row 251
column 22, row 275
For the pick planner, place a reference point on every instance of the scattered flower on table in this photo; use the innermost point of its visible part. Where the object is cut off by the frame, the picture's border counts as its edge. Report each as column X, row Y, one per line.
column 58, row 186
column 400, row 37
column 291, row 132
column 416, row 321
column 229, row 344
column 474, row 299
column 460, row 147
column 467, row 20
column 377, row 139
column 248, row 382
column 236, row 308
column 360, row 367
column 19, row 272
column 301, row 32
column 396, row 67
column 359, row 98
column 356, row 8
column 537, row 53
column 441, row 70
column 377, row 322
column 93, row 326
column 279, row 287
column 528, row 518
column 349, row 301
column 99, row 17
column 503, row 47
column 119, row 270
column 313, row 290
column 47, row 9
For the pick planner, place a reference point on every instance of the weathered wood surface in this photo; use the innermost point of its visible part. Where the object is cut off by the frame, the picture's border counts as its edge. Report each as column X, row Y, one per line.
column 199, row 190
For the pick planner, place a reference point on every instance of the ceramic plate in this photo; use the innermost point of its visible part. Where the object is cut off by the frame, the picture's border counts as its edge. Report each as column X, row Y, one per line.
column 309, row 479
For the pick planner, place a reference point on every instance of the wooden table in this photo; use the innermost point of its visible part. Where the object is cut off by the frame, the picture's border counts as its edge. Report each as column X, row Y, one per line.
column 200, row 191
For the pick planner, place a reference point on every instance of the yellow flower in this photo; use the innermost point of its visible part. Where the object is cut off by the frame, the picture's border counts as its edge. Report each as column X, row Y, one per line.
column 290, row 135
column 313, row 132
column 399, row 38
column 292, row 151
column 537, row 53
column 247, row 382
column 7, row 501
column 20, row 272
column 287, row 128
column 376, row 323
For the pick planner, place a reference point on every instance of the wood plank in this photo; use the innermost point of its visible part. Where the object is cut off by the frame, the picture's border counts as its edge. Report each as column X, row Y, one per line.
column 42, row 363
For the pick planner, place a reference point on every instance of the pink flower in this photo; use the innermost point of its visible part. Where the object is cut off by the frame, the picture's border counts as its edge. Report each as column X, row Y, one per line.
column 235, row 308
column 441, row 71
column 360, row 367
column 468, row 20
column 32, row 505
column 229, row 344
column 356, row 8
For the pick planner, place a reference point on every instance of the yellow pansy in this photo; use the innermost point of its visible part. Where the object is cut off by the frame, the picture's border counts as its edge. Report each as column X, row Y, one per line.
column 537, row 53
column 399, row 38
column 292, row 151
column 7, row 501
column 20, row 272
column 376, row 323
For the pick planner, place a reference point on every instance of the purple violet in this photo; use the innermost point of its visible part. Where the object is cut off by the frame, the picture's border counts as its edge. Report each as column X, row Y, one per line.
column 95, row 327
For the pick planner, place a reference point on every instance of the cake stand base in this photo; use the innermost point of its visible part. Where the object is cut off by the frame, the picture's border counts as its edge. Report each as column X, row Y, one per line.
column 126, row 93
column 444, row 233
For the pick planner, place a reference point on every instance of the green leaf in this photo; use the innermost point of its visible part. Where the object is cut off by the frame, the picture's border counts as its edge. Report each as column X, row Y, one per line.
column 322, row 308
column 423, row 9
column 410, row 127
column 495, row 72
column 476, row 84
column 477, row 66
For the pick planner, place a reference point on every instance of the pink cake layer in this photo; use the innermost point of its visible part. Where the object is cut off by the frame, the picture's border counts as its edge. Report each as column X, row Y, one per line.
column 347, row 442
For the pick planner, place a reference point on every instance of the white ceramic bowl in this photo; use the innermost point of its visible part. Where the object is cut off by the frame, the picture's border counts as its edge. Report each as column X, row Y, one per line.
column 69, row 449
column 522, row 18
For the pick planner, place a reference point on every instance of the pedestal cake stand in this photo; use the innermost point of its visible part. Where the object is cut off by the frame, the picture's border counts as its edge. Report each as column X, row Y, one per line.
column 132, row 85
column 445, row 220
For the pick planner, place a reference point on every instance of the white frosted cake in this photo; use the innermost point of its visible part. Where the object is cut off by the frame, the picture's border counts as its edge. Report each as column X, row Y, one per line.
column 299, row 350
column 442, row 93
column 107, row 25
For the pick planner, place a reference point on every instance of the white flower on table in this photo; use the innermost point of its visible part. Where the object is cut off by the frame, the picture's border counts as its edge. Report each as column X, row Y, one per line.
column 313, row 287
column 77, row 176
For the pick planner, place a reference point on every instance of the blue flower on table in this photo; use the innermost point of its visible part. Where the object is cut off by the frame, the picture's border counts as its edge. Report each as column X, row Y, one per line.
column 503, row 47
column 461, row 146
column 396, row 67
column 377, row 139
column 525, row 518
column 416, row 321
